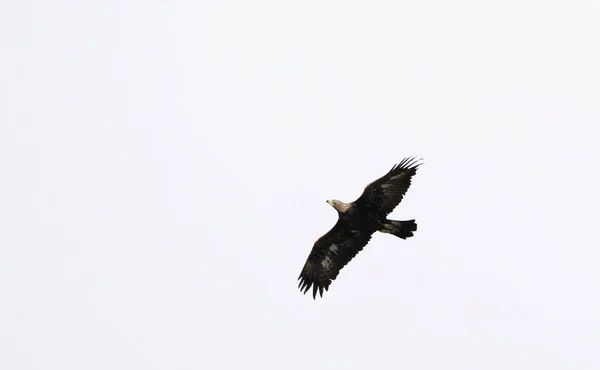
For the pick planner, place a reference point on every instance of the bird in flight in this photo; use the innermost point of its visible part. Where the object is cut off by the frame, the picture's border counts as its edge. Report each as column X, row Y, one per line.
column 357, row 222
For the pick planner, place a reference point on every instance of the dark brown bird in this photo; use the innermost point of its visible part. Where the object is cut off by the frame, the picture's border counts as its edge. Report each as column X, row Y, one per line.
column 357, row 221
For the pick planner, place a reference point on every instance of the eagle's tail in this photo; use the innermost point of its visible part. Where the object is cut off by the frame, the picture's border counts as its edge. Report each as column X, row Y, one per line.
column 401, row 229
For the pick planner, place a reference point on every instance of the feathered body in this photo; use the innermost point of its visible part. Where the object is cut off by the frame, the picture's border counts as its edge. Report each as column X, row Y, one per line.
column 357, row 221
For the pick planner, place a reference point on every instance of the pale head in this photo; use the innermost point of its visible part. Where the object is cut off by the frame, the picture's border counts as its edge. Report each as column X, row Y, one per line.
column 341, row 207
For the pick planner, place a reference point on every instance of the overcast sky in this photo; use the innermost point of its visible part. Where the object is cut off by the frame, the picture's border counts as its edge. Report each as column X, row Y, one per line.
column 165, row 166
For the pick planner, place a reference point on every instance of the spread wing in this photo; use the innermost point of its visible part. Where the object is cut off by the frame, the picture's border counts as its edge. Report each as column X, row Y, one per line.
column 329, row 255
column 384, row 194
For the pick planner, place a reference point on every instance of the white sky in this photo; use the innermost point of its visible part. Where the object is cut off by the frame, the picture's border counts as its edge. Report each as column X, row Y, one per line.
column 165, row 166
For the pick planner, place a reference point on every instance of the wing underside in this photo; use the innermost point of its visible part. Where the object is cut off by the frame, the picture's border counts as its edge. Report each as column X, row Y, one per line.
column 329, row 255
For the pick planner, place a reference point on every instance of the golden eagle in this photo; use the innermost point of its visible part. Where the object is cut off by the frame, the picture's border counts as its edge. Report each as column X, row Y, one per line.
column 357, row 221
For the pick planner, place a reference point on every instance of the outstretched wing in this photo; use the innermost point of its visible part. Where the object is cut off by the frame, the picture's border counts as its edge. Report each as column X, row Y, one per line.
column 384, row 194
column 329, row 255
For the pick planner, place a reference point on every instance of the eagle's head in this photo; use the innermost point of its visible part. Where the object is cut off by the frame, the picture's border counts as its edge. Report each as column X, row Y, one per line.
column 339, row 206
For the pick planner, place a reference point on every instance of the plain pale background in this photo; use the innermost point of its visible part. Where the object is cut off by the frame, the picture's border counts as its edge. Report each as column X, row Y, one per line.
column 165, row 166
